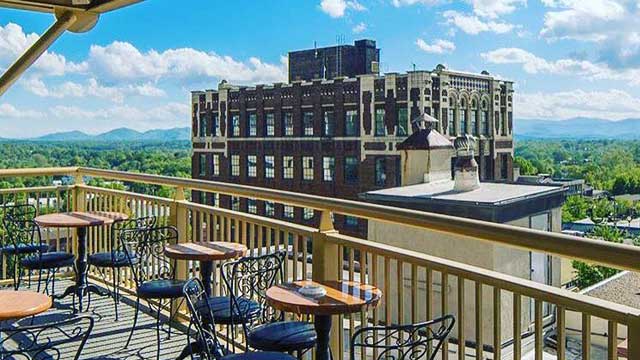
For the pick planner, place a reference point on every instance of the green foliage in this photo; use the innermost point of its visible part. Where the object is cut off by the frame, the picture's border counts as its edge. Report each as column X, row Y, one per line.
column 575, row 208
column 526, row 167
column 587, row 274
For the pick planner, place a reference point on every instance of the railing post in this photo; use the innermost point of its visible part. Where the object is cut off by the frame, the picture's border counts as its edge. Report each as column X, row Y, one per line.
column 178, row 218
column 633, row 334
column 79, row 204
column 326, row 268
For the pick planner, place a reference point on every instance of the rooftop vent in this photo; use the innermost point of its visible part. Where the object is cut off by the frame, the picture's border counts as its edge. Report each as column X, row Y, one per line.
column 465, row 170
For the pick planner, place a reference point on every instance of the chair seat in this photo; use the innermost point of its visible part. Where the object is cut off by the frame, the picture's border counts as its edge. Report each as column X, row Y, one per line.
column 24, row 249
column 259, row 355
column 49, row 260
column 161, row 289
column 108, row 259
column 221, row 309
column 283, row 336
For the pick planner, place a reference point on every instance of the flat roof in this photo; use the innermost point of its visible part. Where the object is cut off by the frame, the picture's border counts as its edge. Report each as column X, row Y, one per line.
column 623, row 289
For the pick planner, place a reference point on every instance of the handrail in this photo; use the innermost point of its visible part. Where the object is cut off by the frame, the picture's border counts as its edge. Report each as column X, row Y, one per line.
column 615, row 255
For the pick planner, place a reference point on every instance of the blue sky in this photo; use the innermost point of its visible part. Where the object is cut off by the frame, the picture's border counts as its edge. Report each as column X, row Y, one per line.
column 136, row 67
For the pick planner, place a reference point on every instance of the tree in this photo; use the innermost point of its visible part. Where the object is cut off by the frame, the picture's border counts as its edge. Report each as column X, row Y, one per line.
column 526, row 167
column 575, row 208
column 587, row 274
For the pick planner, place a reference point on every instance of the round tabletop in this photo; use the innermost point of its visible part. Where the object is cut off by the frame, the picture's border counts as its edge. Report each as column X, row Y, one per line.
column 78, row 219
column 20, row 304
column 343, row 297
column 205, row 251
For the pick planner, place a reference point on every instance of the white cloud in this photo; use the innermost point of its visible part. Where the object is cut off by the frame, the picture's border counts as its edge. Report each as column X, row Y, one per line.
column 338, row 8
column 495, row 8
column 92, row 89
column 10, row 111
column 534, row 64
column 359, row 28
column 611, row 104
column 438, row 46
column 474, row 25
column 398, row 3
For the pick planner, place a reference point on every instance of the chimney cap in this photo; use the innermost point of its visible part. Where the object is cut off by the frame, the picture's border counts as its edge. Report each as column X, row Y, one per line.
column 464, row 143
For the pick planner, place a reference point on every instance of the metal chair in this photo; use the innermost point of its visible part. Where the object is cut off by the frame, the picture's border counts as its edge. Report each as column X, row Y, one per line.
column 116, row 259
column 16, row 247
column 153, row 273
column 247, row 281
column 206, row 345
column 46, row 341
column 403, row 342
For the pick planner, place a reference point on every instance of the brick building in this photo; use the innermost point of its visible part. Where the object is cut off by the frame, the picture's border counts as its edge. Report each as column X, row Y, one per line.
column 338, row 137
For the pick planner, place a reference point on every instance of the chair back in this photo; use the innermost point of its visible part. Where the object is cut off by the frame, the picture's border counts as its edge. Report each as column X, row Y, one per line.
column 120, row 225
column 402, row 342
column 249, row 278
column 207, row 345
column 144, row 248
column 19, row 225
column 46, row 341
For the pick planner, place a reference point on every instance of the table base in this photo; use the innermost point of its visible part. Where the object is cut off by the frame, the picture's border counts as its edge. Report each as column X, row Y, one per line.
column 322, row 324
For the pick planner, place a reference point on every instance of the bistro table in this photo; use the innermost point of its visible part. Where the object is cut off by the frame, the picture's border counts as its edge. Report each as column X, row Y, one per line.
column 20, row 304
column 342, row 297
column 81, row 221
column 206, row 252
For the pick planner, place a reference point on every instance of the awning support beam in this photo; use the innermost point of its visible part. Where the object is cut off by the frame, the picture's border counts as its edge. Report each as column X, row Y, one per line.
column 63, row 22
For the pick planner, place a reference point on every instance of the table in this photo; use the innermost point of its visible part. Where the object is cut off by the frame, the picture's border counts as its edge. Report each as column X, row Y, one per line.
column 343, row 297
column 205, row 252
column 80, row 221
column 20, row 304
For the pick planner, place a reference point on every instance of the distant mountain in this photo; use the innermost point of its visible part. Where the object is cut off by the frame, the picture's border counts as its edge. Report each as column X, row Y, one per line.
column 121, row 134
column 578, row 128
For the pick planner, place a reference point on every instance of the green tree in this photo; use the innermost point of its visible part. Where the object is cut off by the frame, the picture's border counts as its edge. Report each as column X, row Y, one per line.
column 588, row 274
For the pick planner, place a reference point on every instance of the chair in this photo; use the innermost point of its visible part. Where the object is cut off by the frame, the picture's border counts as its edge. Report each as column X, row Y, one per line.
column 16, row 247
column 206, row 345
column 400, row 342
column 46, row 341
column 247, row 281
column 116, row 258
column 153, row 273
column 26, row 236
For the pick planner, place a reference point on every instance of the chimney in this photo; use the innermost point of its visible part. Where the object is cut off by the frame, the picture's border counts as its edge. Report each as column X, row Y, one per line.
column 465, row 170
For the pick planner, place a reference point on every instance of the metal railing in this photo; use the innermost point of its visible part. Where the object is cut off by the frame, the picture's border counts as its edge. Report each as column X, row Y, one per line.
column 491, row 307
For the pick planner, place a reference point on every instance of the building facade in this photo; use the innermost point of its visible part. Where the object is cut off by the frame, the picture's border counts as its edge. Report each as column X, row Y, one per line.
column 339, row 137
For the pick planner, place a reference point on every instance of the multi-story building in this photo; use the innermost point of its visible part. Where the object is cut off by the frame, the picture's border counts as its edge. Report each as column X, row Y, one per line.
column 339, row 137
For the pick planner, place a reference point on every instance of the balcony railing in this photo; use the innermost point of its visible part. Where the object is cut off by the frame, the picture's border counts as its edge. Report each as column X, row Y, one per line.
column 416, row 286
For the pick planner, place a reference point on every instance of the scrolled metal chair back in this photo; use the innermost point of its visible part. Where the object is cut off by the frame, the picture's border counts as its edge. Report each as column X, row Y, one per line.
column 202, row 319
column 250, row 278
column 118, row 226
column 403, row 342
column 144, row 248
column 18, row 223
column 46, row 341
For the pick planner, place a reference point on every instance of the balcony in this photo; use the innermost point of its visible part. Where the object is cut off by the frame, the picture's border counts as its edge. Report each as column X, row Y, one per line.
column 489, row 306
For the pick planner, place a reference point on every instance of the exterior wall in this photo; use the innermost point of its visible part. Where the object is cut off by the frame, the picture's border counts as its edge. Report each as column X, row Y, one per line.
column 468, row 251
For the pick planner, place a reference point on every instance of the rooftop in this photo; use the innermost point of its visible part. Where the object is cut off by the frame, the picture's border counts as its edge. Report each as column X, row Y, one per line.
column 624, row 288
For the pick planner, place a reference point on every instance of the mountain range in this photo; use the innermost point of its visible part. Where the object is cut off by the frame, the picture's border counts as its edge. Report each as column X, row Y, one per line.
column 577, row 128
column 120, row 134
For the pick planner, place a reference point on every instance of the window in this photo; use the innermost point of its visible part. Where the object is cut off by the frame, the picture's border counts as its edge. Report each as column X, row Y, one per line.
column 202, row 169
column 307, row 214
column 403, row 122
column 452, row 122
column 287, row 122
column 202, row 131
column 328, row 124
column 350, row 221
column 307, row 167
column 484, row 122
column 252, row 166
column 287, row 167
column 215, row 164
column 381, row 172
column 474, row 122
column 307, row 123
column 235, row 125
column 351, row 123
column 288, row 211
column 269, row 208
column 269, row 167
column 351, row 169
column 253, row 125
column 216, row 200
column 271, row 124
column 235, row 203
column 216, row 125
column 463, row 121
column 328, row 168
column 252, row 206
column 235, row 165
column 379, row 122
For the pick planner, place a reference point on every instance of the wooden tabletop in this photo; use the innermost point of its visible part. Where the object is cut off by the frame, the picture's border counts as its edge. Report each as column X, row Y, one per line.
column 343, row 297
column 205, row 251
column 20, row 304
column 79, row 219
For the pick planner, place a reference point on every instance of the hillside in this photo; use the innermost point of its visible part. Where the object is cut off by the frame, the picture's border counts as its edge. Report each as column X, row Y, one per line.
column 121, row 134
column 578, row 128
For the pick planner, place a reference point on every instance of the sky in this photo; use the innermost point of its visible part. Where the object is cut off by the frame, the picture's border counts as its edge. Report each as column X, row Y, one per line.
column 136, row 68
